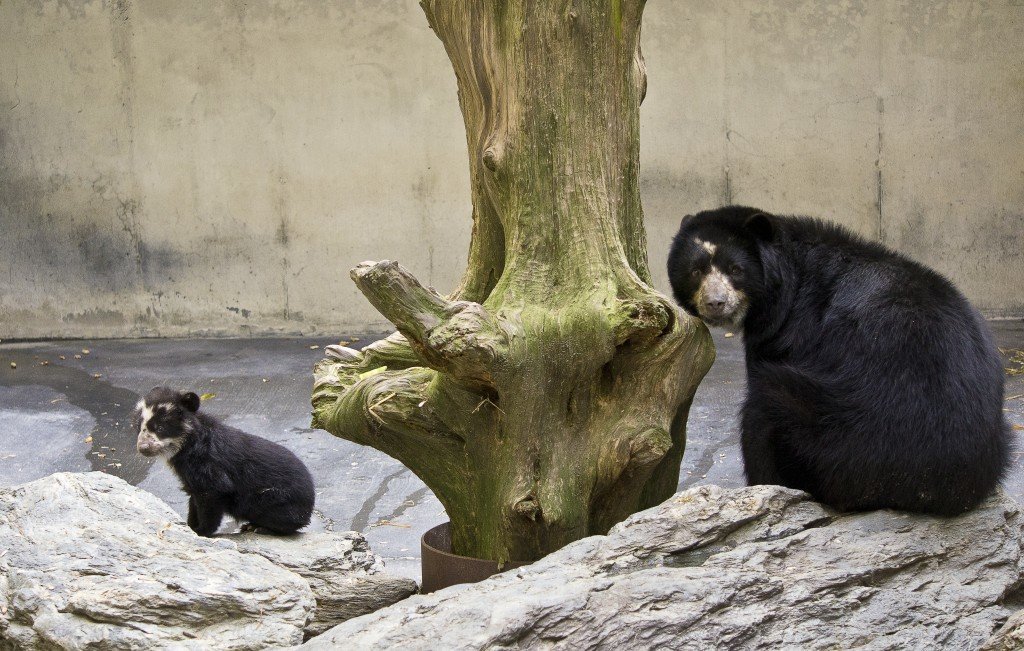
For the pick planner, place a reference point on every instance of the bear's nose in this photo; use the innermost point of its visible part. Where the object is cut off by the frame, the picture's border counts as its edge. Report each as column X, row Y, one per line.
column 715, row 303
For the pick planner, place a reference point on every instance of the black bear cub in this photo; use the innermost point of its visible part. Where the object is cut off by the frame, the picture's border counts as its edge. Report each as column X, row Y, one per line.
column 871, row 382
column 224, row 470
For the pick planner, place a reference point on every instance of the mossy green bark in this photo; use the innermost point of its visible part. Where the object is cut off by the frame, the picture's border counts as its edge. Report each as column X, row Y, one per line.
column 545, row 400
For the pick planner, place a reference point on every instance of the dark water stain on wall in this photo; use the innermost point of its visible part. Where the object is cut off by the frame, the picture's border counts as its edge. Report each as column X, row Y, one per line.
column 682, row 192
column 999, row 236
column 41, row 241
column 160, row 264
column 86, row 250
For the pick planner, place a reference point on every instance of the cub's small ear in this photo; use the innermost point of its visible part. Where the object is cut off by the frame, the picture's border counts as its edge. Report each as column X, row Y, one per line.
column 685, row 219
column 190, row 401
column 760, row 226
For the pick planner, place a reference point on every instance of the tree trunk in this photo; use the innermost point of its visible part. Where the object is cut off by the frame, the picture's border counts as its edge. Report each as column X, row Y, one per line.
column 546, row 399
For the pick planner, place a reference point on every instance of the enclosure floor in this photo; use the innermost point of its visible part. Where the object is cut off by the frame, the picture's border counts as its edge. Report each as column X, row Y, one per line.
column 61, row 416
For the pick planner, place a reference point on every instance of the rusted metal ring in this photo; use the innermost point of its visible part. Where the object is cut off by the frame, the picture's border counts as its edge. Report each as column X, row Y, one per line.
column 442, row 568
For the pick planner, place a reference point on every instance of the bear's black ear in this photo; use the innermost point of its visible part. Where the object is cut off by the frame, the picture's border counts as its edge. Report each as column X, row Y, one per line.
column 685, row 219
column 190, row 401
column 760, row 226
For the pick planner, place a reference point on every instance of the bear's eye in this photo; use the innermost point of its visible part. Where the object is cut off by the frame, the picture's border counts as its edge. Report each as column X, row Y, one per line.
column 735, row 270
column 695, row 273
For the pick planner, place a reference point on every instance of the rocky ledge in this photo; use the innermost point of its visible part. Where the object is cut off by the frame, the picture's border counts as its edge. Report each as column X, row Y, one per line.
column 754, row 568
column 89, row 561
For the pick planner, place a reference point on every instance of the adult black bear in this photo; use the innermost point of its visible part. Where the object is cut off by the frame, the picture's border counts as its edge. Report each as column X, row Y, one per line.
column 224, row 470
column 871, row 381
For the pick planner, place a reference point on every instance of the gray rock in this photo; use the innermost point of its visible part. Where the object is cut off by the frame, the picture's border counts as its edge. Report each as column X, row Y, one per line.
column 1008, row 638
column 92, row 562
column 88, row 561
column 346, row 577
column 753, row 568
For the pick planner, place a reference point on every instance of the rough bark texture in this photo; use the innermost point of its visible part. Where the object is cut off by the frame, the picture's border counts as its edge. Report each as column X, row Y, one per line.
column 546, row 399
column 761, row 567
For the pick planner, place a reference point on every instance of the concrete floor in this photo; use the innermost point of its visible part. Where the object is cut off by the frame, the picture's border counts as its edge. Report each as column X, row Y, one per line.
column 74, row 414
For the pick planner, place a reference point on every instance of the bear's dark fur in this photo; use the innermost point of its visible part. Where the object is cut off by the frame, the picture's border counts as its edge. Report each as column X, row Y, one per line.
column 871, row 381
column 224, row 470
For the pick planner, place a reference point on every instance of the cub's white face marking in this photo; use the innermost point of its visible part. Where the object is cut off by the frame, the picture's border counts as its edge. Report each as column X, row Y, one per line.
column 707, row 246
column 718, row 302
column 149, row 444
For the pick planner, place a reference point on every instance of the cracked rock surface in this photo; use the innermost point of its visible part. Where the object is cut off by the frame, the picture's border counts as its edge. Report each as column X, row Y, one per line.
column 346, row 577
column 752, row 568
column 88, row 561
column 1009, row 637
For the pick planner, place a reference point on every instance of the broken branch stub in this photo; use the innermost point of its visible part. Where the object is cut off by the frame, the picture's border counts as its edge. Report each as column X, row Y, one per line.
column 458, row 337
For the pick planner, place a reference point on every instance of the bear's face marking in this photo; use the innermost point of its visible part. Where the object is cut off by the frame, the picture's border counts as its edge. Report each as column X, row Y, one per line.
column 707, row 246
column 714, row 270
column 718, row 302
column 162, row 423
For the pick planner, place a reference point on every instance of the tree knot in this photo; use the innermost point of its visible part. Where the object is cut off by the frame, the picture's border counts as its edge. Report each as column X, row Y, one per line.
column 641, row 321
column 490, row 158
column 528, row 508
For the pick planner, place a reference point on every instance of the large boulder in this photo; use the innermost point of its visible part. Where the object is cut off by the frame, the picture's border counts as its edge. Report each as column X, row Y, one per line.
column 346, row 577
column 759, row 567
column 88, row 561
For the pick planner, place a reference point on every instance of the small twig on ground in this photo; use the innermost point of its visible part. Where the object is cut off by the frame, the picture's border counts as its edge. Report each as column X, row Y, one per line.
column 389, row 523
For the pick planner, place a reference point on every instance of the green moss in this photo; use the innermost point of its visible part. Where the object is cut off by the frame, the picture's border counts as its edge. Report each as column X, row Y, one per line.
column 617, row 19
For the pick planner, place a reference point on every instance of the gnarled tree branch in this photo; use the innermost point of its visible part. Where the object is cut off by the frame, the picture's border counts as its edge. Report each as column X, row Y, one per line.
column 458, row 337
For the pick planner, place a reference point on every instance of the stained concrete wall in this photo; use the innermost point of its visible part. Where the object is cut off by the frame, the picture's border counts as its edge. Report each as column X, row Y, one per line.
column 173, row 168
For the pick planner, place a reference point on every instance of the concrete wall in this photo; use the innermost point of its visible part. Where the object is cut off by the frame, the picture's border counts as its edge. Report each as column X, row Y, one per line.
column 172, row 168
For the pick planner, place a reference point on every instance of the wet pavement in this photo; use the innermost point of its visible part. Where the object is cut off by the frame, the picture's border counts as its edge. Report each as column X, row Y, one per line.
column 67, row 407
